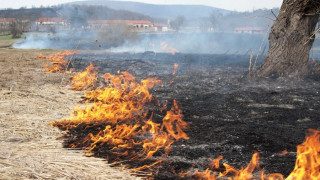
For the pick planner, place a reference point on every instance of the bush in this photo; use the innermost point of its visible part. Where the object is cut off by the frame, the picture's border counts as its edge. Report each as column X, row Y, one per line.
column 116, row 34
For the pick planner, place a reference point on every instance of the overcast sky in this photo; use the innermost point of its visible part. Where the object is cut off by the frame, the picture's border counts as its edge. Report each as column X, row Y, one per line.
column 238, row 5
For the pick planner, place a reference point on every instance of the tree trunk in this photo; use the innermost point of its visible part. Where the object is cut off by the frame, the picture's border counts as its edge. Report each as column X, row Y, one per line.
column 291, row 38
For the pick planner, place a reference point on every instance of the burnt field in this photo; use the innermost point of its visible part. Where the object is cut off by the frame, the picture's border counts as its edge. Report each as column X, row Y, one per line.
column 227, row 114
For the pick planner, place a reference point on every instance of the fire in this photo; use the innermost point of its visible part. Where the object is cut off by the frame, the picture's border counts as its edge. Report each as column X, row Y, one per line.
column 121, row 99
column 58, row 62
column 167, row 48
column 84, row 80
column 175, row 67
column 174, row 124
column 129, row 131
column 216, row 162
column 243, row 174
column 307, row 166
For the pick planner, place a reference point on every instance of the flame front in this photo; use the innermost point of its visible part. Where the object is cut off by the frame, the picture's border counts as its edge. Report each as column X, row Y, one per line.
column 84, row 80
column 307, row 166
column 58, row 62
column 122, row 99
column 129, row 132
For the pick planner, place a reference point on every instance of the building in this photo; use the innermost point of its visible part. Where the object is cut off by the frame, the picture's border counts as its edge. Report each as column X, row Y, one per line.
column 249, row 30
column 5, row 25
column 51, row 21
column 136, row 25
column 160, row 27
column 6, row 21
column 51, row 24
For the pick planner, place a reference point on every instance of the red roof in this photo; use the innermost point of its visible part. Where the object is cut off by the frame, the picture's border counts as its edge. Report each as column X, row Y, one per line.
column 119, row 21
column 160, row 25
column 50, row 20
column 139, row 22
column 7, row 19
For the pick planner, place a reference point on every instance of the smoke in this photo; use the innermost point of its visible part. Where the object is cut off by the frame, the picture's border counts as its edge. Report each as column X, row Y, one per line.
column 196, row 43
column 199, row 43
column 59, row 40
column 76, row 32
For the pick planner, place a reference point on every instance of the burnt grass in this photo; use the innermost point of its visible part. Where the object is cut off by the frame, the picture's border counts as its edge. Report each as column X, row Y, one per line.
column 228, row 114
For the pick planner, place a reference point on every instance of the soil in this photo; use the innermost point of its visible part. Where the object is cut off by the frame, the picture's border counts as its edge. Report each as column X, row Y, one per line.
column 228, row 114
column 31, row 148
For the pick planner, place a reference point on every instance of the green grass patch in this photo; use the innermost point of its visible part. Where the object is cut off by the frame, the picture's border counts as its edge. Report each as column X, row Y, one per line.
column 7, row 40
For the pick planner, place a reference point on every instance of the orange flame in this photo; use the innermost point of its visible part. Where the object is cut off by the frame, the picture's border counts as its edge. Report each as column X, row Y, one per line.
column 216, row 162
column 307, row 165
column 58, row 62
column 121, row 107
column 84, row 80
column 167, row 48
column 175, row 67
column 308, row 158
column 174, row 124
column 244, row 173
column 123, row 98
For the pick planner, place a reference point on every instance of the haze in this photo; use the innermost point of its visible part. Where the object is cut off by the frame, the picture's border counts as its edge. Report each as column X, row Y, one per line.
column 237, row 5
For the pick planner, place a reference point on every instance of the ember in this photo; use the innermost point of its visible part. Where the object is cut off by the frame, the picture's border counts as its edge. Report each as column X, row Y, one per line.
column 175, row 67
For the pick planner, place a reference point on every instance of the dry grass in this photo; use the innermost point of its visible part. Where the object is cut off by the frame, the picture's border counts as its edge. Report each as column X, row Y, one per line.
column 31, row 148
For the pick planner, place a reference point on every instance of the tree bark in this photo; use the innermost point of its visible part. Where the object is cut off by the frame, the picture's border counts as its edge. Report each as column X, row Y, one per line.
column 291, row 39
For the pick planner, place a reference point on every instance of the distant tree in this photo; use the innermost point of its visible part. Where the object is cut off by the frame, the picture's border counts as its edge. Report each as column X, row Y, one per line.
column 178, row 22
column 291, row 38
column 15, row 29
column 116, row 34
column 215, row 19
column 205, row 24
column 78, row 17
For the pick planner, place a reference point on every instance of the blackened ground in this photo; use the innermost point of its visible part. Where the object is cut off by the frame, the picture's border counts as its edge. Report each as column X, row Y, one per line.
column 228, row 115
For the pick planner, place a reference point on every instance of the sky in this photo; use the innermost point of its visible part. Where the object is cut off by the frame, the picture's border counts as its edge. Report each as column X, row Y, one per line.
column 237, row 5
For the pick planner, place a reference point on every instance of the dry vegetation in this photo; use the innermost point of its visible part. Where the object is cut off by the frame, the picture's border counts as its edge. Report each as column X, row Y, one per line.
column 31, row 148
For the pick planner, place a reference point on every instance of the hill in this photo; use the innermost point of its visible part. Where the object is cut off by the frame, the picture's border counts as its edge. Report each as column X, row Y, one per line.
column 30, row 14
column 159, row 11
column 72, row 12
